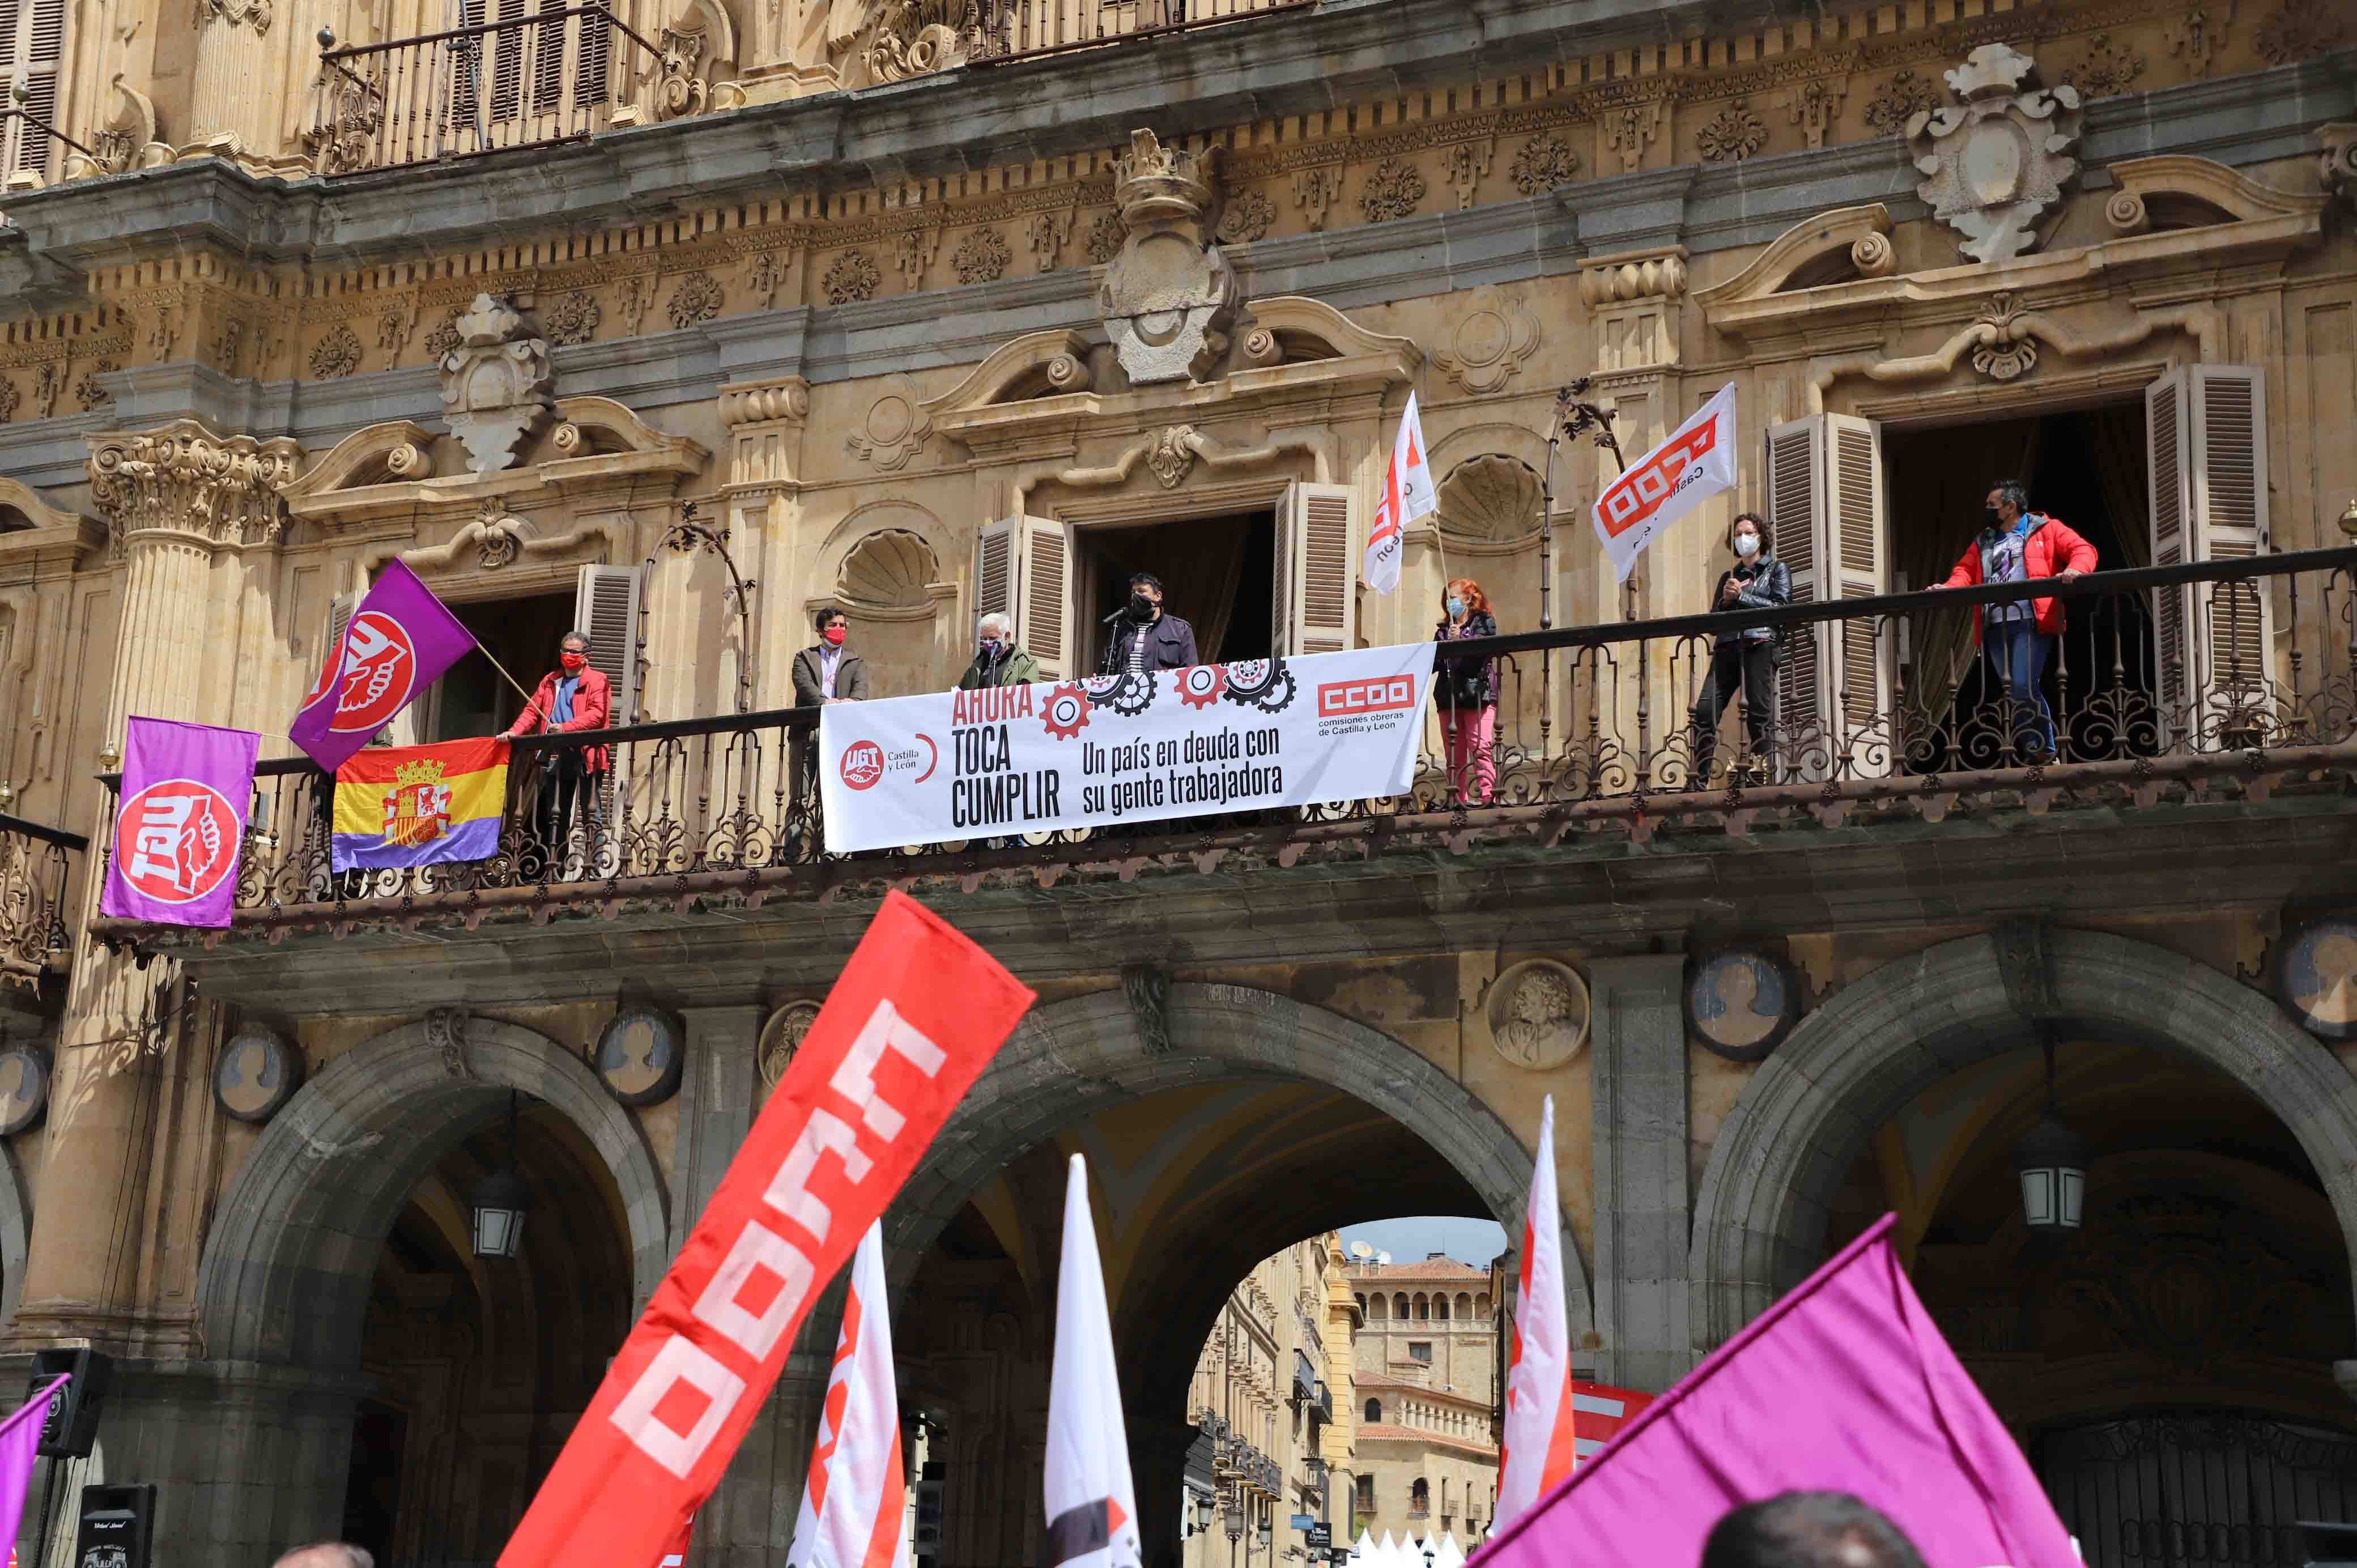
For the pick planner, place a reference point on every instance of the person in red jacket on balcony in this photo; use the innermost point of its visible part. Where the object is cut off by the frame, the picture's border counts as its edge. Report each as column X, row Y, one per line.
column 2018, row 545
column 572, row 697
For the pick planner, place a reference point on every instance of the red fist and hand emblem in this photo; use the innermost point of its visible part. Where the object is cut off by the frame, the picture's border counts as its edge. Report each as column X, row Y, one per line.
column 378, row 675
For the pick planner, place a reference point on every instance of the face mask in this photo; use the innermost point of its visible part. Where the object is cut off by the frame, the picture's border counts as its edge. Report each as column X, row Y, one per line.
column 1140, row 607
column 1747, row 545
column 833, row 634
column 1455, row 607
column 1988, row 516
column 573, row 662
column 990, row 648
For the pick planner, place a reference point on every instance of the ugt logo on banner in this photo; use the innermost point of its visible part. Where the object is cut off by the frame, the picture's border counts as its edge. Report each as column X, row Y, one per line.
column 916, row 1013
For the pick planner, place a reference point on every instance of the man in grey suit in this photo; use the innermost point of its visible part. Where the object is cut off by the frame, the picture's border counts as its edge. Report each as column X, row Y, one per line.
column 825, row 672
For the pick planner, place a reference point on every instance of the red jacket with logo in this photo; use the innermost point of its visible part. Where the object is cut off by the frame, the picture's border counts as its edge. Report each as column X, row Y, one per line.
column 2053, row 547
column 593, row 703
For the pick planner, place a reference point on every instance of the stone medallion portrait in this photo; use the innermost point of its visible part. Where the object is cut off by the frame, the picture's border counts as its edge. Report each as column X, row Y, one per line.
column 2316, row 978
column 1538, row 1014
column 1741, row 1002
column 257, row 1073
column 640, row 1055
column 24, row 1088
column 782, row 1037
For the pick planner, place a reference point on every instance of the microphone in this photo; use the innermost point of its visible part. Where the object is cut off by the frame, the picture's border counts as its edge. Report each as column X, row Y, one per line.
column 1115, row 616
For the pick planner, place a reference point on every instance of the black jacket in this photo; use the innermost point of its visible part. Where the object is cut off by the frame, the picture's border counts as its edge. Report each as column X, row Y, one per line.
column 1766, row 583
column 1169, row 644
column 1466, row 683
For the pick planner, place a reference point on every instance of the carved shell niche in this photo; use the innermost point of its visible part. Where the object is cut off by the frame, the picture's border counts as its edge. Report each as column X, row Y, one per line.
column 889, row 571
column 1491, row 500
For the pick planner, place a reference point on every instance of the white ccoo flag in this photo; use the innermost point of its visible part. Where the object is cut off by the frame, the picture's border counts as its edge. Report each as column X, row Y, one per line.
column 1539, row 1446
column 1407, row 494
column 1695, row 462
column 1092, row 1509
column 852, row 1507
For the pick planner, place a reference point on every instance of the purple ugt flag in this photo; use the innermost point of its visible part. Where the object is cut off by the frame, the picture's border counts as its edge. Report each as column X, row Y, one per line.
column 186, row 789
column 401, row 640
column 20, row 1434
column 1844, row 1385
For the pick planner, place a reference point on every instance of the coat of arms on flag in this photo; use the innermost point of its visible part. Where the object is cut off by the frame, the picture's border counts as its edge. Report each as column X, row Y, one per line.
column 419, row 805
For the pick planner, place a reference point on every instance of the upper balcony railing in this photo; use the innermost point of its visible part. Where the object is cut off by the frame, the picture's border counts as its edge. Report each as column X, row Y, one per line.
column 36, row 867
column 534, row 72
column 2165, row 677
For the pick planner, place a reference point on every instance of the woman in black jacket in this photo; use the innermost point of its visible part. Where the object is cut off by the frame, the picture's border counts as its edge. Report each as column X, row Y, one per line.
column 1757, row 580
column 1466, row 691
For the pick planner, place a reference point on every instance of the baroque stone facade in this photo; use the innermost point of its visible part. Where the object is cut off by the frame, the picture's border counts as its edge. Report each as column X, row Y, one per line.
column 990, row 340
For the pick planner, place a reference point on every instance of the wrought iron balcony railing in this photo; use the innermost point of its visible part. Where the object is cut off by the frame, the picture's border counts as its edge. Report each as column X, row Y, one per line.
column 36, row 866
column 514, row 80
column 2166, row 679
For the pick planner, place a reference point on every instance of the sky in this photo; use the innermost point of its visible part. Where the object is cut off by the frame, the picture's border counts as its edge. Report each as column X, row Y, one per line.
column 1474, row 1241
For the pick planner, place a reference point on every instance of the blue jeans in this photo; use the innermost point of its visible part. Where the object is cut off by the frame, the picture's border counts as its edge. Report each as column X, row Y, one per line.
column 2019, row 654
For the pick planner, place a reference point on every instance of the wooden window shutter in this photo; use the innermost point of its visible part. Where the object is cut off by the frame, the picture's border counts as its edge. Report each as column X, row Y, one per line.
column 1796, row 459
column 32, row 41
column 1043, row 619
column 606, row 606
column 1855, row 546
column 993, row 566
column 2167, row 442
column 597, row 55
column 1315, row 596
column 2228, row 521
column 506, row 63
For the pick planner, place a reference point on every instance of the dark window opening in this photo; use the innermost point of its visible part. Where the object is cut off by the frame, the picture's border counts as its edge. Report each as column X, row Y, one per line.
column 1218, row 574
column 523, row 635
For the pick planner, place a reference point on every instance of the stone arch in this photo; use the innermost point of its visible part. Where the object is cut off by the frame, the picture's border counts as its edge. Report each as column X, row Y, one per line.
column 284, row 1277
column 1068, row 1059
column 1762, row 1211
column 15, row 1230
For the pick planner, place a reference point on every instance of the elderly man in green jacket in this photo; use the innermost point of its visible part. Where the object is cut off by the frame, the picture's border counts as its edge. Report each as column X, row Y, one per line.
column 999, row 661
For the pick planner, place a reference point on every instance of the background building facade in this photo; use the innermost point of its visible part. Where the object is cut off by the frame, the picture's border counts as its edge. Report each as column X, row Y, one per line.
column 931, row 310
column 1427, row 1360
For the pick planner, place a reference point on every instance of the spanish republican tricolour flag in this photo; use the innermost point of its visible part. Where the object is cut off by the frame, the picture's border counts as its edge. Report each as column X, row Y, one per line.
column 420, row 805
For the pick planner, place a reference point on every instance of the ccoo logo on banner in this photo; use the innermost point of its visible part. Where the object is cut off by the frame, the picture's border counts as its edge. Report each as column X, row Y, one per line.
column 1695, row 462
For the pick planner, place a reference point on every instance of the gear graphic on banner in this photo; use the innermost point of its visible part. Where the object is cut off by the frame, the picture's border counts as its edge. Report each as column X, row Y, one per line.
column 1066, row 712
column 1199, row 685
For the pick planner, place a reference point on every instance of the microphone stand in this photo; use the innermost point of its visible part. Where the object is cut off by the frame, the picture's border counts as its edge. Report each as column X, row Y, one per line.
column 1546, row 572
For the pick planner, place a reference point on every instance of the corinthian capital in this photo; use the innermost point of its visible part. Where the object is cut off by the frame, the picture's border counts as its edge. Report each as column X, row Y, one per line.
column 224, row 490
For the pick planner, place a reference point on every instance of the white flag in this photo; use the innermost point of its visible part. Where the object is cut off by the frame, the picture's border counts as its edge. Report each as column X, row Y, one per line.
column 1538, row 1450
column 1695, row 462
column 1407, row 495
column 1092, row 1510
column 853, row 1505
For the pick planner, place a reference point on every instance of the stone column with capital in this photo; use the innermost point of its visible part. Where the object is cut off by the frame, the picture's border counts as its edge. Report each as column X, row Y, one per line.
column 1640, row 1149
column 247, row 63
column 186, row 510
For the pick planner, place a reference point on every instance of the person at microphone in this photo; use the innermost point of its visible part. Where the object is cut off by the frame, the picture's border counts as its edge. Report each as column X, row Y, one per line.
column 1144, row 639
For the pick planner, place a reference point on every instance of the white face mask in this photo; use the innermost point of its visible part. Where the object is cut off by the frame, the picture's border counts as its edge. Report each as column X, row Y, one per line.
column 1747, row 545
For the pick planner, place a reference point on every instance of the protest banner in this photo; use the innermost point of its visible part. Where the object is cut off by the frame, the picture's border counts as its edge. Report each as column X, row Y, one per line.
column 1697, row 462
column 398, row 643
column 914, row 1017
column 419, row 805
column 1117, row 750
column 185, row 793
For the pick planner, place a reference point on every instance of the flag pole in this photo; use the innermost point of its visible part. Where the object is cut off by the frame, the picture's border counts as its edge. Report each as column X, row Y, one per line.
column 529, row 700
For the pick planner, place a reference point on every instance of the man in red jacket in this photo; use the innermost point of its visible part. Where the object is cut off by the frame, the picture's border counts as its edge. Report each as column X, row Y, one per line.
column 571, row 697
column 2018, row 545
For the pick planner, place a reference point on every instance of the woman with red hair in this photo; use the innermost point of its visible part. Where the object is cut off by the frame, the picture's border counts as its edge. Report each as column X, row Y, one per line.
column 1466, row 691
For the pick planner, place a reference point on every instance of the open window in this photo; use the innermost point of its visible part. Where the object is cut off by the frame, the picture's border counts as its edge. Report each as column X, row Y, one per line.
column 1059, row 582
column 1826, row 511
column 2206, row 440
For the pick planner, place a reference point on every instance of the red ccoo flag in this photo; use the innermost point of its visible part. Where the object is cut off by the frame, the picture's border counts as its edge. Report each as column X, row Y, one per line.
column 916, row 1013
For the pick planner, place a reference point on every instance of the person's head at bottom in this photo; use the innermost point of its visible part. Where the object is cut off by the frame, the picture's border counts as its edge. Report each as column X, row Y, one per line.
column 325, row 1554
column 1808, row 1530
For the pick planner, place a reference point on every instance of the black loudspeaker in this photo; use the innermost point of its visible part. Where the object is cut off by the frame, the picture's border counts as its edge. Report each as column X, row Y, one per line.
column 929, row 1486
column 71, row 1424
column 117, row 1523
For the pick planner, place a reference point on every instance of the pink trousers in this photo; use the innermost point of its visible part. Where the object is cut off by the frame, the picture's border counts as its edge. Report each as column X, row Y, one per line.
column 1472, row 735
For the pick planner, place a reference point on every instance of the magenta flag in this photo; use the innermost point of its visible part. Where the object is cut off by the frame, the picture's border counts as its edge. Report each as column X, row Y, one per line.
column 186, row 789
column 1844, row 1385
column 401, row 640
column 20, row 1434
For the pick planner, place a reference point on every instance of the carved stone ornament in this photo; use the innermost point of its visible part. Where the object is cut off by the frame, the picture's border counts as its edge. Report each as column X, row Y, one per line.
column 698, row 298
column 1168, row 296
column 1103, row 237
column 1394, row 189
column 89, row 392
column 1246, row 218
column 1740, row 1002
column 572, row 319
column 782, row 1037
column 9, row 398
column 185, row 479
column 1491, row 500
column 1903, row 97
column 1733, row 135
column 982, row 256
column 126, row 141
column 1545, row 162
column 1814, row 106
column 916, row 38
column 1999, row 159
column 255, row 13
column 495, row 384
column 258, row 1071
column 1172, row 455
column 2008, row 352
column 640, row 1055
column 852, row 278
column 2336, row 165
column 2199, row 36
column 2107, row 68
column 894, row 431
column 2298, row 29
column 1489, row 346
column 1538, row 1012
column 337, row 354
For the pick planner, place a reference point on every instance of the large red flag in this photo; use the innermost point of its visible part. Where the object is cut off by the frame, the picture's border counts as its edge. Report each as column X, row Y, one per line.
column 916, row 1015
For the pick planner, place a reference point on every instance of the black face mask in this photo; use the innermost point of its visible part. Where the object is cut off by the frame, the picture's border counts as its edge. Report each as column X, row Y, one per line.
column 1140, row 607
column 1988, row 518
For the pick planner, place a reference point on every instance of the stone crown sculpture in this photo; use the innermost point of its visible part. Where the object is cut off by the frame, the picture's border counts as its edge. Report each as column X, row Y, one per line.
column 496, row 386
column 1168, row 296
column 1997, row 160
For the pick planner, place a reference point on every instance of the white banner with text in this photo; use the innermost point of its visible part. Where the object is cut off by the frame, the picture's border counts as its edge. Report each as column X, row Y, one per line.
column 1117, row 750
